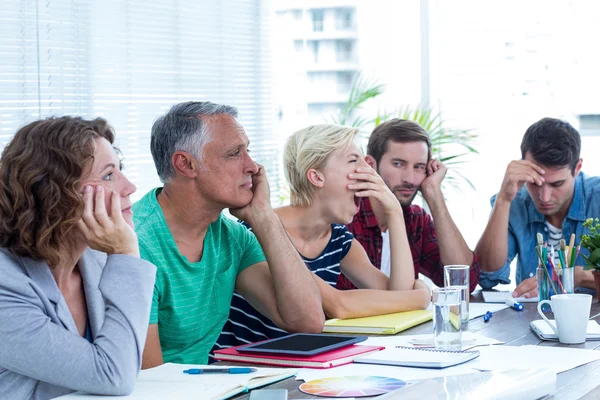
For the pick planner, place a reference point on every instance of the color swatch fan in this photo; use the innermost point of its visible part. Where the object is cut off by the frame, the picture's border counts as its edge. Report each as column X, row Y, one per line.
column 351, row 386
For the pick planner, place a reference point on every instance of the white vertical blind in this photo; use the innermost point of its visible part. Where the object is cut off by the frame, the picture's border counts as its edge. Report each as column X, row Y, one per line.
column 130, row 60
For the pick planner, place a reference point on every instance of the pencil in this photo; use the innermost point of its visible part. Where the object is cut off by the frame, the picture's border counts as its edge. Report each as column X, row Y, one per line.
column 574, row 255
column 555, row 275
column 561, row 254
column 571, row 247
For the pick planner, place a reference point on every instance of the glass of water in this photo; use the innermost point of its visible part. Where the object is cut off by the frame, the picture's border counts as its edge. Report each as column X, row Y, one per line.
column 447, row 321
column 458, row 276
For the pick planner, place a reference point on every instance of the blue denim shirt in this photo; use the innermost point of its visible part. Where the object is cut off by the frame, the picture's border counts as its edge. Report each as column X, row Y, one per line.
column 525, row 221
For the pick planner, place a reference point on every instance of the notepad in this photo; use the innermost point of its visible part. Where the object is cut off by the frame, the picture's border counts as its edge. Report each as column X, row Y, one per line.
column 544, row 332
column 500, row 297
column 418, row 357
column 169, row 382
column 387, row 324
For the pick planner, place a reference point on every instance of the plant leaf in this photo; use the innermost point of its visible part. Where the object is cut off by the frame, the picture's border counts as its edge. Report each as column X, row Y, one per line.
column 451, row 146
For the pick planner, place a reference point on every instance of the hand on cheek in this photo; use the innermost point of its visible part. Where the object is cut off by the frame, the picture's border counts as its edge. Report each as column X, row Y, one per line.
column 109, row 234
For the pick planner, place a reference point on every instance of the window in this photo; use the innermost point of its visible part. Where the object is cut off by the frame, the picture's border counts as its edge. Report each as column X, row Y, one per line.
column 589, row 124
column 343, row 19
column 344, row 50
column 344, row 81
column 317, row 20
column 314, row 45
column 322, row 110
column 130, row 61
column 319, row 78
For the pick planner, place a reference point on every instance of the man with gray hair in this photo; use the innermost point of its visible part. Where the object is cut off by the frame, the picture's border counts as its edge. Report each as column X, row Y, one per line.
column 201, row 154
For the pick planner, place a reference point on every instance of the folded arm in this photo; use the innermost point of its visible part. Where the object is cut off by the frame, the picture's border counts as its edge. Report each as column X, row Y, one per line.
column 257, row 286
column 357, row 267
column 367, row 302
column 291, row 286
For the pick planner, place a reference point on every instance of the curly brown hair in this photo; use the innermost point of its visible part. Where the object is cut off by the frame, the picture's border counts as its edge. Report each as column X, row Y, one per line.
column 40, row 172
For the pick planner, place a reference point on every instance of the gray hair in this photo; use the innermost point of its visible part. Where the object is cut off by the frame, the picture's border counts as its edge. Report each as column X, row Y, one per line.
column 183, row 128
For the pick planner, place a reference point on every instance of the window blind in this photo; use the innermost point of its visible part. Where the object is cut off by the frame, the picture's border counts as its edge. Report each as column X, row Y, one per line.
column 130, row 60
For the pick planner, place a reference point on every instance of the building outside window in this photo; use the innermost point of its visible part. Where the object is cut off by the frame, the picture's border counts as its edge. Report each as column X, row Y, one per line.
column 314, row 45
column 317, row 20
column 344, row 50
column 344, row 19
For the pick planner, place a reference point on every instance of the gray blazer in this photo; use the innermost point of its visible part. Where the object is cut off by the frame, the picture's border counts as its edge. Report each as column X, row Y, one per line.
column 41, row 353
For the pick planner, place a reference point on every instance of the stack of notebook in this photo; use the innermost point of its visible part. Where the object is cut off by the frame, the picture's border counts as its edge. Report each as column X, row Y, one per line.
column 329, row 359
column 381, row 324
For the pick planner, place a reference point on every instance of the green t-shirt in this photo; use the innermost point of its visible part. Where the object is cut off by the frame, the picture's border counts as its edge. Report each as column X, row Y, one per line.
column 191, row 300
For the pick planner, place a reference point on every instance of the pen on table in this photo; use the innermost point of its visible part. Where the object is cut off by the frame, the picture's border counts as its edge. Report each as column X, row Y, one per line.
column 511, row 302
column 232, row 370
column 486, row 316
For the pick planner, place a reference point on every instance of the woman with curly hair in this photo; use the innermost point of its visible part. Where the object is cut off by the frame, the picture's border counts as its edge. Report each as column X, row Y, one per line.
column 74, row 295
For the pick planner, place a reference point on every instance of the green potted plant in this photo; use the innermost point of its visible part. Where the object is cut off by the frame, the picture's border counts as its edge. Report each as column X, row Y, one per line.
column 591, row 242
column 451, row 146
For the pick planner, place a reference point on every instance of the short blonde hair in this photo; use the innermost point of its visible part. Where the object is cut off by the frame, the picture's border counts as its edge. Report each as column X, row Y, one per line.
column 309, row 148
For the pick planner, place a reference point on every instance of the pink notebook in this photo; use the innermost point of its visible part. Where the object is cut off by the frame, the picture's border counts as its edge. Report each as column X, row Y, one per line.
column 329, row 359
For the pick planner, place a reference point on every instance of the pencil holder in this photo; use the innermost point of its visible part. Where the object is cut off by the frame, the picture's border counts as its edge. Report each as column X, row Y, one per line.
column 554, row 281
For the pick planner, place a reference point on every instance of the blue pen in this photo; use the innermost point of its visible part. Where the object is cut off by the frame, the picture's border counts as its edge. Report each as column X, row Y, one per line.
column 487, row 316
column 232, row 370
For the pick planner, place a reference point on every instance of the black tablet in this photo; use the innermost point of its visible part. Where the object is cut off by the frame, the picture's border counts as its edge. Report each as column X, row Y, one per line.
column 301, row 344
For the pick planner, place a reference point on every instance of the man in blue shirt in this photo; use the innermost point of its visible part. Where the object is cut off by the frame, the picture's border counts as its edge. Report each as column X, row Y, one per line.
column 544, row 192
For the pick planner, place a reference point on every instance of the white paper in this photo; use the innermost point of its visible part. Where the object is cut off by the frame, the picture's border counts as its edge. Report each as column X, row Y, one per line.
column 161, row 390
column 171, row 372
column 470, row 339
column 500, row 297
column 402, row 373
column 557, row 359
column 168, row 381
column 488, row 385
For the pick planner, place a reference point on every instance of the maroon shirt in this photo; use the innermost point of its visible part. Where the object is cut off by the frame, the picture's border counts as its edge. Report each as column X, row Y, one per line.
column 421, row 238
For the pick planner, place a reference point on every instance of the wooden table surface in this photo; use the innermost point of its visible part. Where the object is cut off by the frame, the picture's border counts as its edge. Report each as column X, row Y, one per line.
column 511, row 327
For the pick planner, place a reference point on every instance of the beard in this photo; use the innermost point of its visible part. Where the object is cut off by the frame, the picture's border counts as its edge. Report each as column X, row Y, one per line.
column 405, row 201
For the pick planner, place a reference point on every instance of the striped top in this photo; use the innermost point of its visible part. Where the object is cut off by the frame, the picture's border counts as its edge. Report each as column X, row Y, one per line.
column 554, row 237
column 247, row 325
column 191, row 299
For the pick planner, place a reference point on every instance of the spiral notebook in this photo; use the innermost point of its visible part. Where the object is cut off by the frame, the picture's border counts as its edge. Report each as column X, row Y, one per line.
column 418, row 357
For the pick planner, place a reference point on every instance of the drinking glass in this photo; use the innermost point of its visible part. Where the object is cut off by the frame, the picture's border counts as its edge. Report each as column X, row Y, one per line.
column 458, row 276
column 447, row 321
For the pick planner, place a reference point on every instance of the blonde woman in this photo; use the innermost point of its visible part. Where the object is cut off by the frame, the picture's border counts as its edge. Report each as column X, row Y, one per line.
column 327, row 176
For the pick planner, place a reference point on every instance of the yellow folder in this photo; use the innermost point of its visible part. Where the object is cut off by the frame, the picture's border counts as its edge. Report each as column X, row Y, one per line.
column 387, row 324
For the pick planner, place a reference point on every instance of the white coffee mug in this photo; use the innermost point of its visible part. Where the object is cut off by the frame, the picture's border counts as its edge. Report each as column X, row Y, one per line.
column 571, row 314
